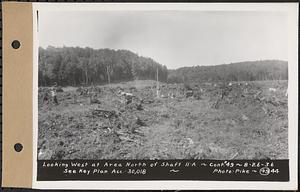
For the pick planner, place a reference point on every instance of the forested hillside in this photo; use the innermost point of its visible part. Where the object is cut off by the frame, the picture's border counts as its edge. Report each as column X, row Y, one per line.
column 74, row 66
column 85, row 66
column 243, row 71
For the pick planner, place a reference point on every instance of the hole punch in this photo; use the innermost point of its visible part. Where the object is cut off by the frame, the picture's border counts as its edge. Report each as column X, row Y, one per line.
column 16, row 44
column 18, row 147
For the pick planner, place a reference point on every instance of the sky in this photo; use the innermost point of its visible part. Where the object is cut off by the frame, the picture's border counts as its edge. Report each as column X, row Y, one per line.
column 172, row 38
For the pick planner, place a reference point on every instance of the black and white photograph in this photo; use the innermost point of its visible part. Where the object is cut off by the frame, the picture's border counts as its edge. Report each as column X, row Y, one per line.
column 163, row 85
column 201, row 94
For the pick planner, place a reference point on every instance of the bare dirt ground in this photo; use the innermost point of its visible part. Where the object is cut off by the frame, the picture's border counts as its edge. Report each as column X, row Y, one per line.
column 245, row 120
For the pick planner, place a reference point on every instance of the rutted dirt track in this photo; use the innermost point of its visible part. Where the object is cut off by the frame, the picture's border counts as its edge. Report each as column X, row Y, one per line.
column 246, row 120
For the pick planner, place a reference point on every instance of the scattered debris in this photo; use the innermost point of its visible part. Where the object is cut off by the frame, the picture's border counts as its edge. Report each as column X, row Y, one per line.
column 126, row 121
column 191, row 142
column 59, row 89
column 244, row 117
column 94, row 100
column 189, row 93
column 234, row 156
column 104, row 113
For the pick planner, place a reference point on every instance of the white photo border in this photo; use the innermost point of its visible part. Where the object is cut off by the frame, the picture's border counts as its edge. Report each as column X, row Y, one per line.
column 290, row 8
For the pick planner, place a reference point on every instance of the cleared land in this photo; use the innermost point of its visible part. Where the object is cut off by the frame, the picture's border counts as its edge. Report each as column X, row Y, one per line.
column 246, row 120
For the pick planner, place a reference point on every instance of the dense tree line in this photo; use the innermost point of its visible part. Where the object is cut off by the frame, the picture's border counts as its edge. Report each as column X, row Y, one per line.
column 242, row 71
column 76, row 66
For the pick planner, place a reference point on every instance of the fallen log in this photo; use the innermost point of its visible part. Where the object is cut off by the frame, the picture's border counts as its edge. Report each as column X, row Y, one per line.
column 104, row 113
